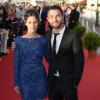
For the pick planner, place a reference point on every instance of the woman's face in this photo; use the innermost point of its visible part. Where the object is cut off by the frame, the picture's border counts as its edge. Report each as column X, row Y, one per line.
column 32, row 24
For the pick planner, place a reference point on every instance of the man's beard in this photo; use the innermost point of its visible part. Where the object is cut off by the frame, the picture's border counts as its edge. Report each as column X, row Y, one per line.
column 57, row 27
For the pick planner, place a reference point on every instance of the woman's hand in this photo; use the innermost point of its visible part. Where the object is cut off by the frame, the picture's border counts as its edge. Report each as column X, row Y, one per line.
column 17, row 89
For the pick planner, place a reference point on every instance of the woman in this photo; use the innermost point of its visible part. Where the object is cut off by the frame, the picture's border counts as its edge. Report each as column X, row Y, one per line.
column 29, row 74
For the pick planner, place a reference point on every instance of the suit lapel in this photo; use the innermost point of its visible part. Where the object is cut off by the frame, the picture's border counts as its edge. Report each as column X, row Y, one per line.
column 62, row 42
column 60, row 51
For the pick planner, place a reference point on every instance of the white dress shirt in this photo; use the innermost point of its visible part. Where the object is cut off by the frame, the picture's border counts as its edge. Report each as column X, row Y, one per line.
column 58, row 38
column 40, row 14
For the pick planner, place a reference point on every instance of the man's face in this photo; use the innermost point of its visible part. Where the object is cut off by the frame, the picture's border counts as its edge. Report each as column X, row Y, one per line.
column 55, row 18
column 42, row 4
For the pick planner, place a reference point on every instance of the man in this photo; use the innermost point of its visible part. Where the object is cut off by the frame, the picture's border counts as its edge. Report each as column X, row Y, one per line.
column 42, row 15
column 4, row 30
column 66, row 58
column 74, row 17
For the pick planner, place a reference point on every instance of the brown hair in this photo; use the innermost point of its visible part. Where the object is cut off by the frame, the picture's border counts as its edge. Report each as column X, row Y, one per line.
column 31, row 12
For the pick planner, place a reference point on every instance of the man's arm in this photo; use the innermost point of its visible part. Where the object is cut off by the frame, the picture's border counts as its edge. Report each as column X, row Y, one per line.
column 78, row 58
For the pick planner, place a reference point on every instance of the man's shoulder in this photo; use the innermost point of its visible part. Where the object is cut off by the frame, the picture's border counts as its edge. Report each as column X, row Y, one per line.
column 72, row 32
column 69, row 30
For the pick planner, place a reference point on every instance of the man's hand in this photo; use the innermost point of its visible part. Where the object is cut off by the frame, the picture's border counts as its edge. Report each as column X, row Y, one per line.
column 17, row 89
column 13, row 45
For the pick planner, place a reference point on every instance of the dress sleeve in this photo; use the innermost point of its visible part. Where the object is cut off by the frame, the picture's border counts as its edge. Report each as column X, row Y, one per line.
column 16, row 64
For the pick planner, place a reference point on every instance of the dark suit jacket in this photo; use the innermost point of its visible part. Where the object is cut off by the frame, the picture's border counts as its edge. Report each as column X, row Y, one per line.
column 73, row 19
column 69, row 60
column 5, row 23
column 43, row 13
column 41, row 29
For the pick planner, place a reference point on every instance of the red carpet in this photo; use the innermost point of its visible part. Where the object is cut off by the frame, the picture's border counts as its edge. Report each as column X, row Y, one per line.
column 89, row 88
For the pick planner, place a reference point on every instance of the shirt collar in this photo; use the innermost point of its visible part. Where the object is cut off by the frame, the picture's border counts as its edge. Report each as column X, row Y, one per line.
column 62, row 30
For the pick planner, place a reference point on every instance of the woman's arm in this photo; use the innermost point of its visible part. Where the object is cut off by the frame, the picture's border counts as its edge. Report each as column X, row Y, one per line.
column 16, row 63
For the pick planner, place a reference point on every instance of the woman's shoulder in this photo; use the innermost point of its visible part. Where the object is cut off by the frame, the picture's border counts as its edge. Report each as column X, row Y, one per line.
column 43, row 39
column 17, row 40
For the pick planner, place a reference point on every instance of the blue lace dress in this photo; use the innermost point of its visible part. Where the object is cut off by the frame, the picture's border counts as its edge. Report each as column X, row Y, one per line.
column 29, row 72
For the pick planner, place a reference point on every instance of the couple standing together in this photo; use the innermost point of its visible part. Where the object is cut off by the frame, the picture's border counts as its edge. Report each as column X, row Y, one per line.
column 63, row 50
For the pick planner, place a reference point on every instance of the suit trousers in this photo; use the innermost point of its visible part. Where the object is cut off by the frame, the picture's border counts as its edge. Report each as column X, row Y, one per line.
column 58, row 91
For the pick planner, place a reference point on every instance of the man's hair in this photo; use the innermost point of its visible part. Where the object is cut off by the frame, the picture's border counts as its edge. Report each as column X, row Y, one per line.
column 54, row 7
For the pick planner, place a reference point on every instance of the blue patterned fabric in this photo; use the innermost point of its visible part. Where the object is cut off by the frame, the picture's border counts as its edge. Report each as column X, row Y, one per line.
column 29, row 72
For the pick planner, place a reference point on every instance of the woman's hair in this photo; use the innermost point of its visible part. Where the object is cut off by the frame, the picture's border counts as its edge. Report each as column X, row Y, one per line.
column 31, row 12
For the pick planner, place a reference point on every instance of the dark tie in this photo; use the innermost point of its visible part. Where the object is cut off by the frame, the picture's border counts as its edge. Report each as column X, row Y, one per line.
column 54, row 43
